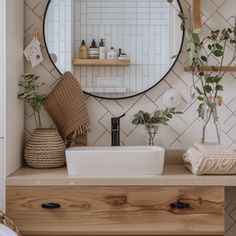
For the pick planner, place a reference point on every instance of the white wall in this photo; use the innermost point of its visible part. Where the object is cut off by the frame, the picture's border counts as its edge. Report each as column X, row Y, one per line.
column 2, row 103
column 2, row 65
column 1, row 83
column 15, row 68
column 11, row 109
column 2, row 175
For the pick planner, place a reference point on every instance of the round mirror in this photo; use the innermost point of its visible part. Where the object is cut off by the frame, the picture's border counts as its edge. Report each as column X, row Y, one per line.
column 115, row 48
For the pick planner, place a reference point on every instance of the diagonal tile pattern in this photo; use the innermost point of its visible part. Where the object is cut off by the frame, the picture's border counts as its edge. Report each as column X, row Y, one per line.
column 215, row 13
column 177, row 79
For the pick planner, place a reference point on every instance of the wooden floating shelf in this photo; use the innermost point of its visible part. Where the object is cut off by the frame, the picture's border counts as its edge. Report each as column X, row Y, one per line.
column 209, row 68
column 100, row 62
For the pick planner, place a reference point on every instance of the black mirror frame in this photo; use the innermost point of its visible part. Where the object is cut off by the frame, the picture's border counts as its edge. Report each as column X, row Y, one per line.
column 121, row 98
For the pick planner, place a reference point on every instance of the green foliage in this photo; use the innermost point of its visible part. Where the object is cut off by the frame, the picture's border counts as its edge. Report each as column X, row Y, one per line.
column 200, row 51
column 30, row 93
column 183, row 19
column 159, row 117
column 213, row 45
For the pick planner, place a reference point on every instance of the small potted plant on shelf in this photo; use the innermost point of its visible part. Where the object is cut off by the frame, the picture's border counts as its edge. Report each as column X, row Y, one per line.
column 46, row 148
column 152, row 122
column 207, row 78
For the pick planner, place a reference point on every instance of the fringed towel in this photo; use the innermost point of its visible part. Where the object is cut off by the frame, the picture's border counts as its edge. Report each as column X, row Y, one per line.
column 210, row 160
column 66, row 105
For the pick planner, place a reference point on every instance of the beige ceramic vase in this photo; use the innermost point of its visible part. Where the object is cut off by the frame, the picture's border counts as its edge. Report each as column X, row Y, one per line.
column 46, row 149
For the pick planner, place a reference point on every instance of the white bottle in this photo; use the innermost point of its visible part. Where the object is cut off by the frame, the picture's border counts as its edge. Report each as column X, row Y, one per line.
column 111, row 55
column 102, row 50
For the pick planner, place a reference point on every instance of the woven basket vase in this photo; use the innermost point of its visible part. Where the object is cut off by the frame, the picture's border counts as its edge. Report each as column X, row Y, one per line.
column 45, row 150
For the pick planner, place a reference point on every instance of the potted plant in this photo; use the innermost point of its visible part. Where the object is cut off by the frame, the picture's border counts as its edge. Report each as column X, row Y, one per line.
column 46, row 148
column 152, row 122
column 30, row 94
column 208, row 84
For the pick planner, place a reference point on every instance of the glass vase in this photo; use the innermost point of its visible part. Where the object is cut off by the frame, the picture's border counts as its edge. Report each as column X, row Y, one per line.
column 151, row 134
column 211, row 126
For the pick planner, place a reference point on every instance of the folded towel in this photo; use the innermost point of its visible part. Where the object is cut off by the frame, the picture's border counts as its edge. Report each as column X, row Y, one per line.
column 211, row 147
column 210, row 159
column 66, row 105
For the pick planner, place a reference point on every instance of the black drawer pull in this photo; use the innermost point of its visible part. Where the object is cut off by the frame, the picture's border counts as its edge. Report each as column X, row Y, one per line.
column 51, row 205
column 179, row 205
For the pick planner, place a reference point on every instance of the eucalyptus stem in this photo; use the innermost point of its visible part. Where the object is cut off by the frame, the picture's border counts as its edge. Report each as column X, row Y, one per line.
column 205, row 126
column 35, row 118
column 218, row 132
column 222, row 58
column 39, row 120
column 152, row 132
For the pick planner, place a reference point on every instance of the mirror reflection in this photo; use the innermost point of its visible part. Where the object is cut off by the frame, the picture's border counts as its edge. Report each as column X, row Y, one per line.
column 115, row 48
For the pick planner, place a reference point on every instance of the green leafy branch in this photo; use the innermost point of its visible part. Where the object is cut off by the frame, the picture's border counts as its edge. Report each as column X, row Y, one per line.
column 159, row 117
column 30, row 93
column 200, row 52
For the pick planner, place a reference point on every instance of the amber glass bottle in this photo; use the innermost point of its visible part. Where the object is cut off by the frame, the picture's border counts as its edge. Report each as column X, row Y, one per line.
column 83, row 51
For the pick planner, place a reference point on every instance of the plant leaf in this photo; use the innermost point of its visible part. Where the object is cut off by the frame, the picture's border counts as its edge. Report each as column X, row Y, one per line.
column 218, row 46
column 199, row 91
column 200, row 98
column 209, row 79
column 217, row 79
column 203, row 58
column 208, row 88
column 219, row 87
column 157, row 113
column 218, row 53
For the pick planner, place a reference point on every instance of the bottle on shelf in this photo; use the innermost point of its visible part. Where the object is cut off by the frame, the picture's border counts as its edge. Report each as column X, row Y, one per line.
column 93, row 51
column 111, row 55
column 122, row 55
column 102, row 50
column 83, row 51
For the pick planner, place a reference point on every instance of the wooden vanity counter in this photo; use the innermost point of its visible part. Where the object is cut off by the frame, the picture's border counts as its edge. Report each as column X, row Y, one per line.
column 174, row 175
column 117, row 205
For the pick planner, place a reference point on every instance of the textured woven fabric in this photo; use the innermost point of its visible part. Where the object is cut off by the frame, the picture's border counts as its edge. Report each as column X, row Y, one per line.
column 66, row 105
column 210, row 160
column 45, row 149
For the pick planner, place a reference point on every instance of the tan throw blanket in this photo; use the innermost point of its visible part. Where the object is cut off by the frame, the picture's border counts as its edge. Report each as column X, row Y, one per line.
column 66, row 105
column 210, row 160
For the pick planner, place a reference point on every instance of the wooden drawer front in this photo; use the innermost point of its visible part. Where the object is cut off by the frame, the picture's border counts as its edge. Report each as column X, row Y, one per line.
column 117, row 210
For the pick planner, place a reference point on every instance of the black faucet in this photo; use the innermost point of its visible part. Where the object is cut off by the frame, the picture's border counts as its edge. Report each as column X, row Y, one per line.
column 115, row 130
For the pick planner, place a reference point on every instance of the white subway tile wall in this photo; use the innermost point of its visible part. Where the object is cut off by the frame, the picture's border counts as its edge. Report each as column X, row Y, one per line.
column 140, row 28
column 59, row 33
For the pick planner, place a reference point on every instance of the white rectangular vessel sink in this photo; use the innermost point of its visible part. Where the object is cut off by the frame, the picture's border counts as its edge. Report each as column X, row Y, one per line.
column 115, row 161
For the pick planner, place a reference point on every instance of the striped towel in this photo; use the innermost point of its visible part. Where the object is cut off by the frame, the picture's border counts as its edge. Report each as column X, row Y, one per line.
column 66, row 105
